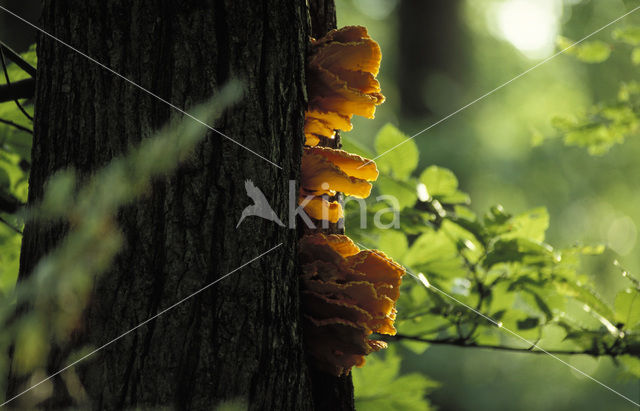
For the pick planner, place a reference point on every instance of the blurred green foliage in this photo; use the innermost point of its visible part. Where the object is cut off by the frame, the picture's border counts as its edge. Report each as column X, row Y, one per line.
column 380, row 386
column 588, row 200
column 15, row 156
column 58, row 288
column 606, row 124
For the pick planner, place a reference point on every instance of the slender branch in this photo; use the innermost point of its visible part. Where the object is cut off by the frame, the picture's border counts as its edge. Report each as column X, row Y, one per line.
column 6, row 76
column 462, row 343
column 16, row 125
column 16, row 58
column 2, row 220
column 18, row 90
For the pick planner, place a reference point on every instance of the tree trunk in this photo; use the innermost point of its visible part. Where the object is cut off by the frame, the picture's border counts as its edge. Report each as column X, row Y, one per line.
column 239, row 339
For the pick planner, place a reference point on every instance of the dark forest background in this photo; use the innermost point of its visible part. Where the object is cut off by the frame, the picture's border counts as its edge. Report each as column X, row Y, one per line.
column 506, row 149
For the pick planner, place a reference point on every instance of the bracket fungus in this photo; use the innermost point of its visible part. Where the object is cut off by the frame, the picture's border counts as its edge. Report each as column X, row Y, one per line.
column 347, row 293
column 326, row 171
column 341, row 77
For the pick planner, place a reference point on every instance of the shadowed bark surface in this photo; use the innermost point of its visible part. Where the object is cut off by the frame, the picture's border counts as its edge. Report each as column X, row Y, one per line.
column 240, row 338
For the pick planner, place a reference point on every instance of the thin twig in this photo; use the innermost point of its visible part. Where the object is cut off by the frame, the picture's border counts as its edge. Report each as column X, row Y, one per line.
column 6, row 76
column 8, row 224
column 462, row 343
column 20, row 62
column 16, row 125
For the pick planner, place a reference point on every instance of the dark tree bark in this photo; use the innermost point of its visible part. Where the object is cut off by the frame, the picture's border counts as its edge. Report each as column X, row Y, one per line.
column 240, row 338
column 323, row 17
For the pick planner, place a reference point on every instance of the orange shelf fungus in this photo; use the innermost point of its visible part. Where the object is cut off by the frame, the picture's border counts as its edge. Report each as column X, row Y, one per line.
column 320, row 209
column 348, row 294
column 341, row 77
column 322, row 176
column 351, row 164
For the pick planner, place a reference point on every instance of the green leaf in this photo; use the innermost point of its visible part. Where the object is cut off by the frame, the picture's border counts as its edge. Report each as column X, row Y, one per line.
column 629, row 35
column 439, row 181
column 393, row 243
column 468, row 244
column 442, row 184
column 631, row 364
column 528, row 323
column 563, row 123
column 587, row 249
column 434, row 252
column 589, row 52
column 398, row 154
column 406, row 197
column 519, row 250
column 380, row 386
column 627, row 307
column 531, row 224
column 635, row 56
column 5, row 180
column 9, row 258
column 414, row 221
column 594, row 51
column 586, row 295
column 15, row 72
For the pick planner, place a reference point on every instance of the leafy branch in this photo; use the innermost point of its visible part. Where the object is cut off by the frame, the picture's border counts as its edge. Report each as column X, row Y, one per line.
column 498, row 264
column 8, row 79
column 605, row 124
column 463, row 343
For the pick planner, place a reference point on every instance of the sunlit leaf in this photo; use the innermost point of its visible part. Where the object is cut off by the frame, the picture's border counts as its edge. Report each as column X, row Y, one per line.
column 398, row 154
column 380, row 386
column 405, row 195
column 519, row 250
column 442, row 184
column 393, row 243
column 587, row 295
column 589, row 52
column 627, row 307
column 435, row 252
column 635, row 56
column 629, row 35
column 529, row 225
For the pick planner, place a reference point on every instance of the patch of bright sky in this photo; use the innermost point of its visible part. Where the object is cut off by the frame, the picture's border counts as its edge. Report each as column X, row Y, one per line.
column 375, row 9
column 530, row 25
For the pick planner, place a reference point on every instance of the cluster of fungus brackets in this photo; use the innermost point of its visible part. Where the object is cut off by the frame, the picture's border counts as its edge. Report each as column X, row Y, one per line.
column 341, row 81
column 348, row 293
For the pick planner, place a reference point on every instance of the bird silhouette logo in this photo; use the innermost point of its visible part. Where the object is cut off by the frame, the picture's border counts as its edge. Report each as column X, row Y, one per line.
column 260, row 207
